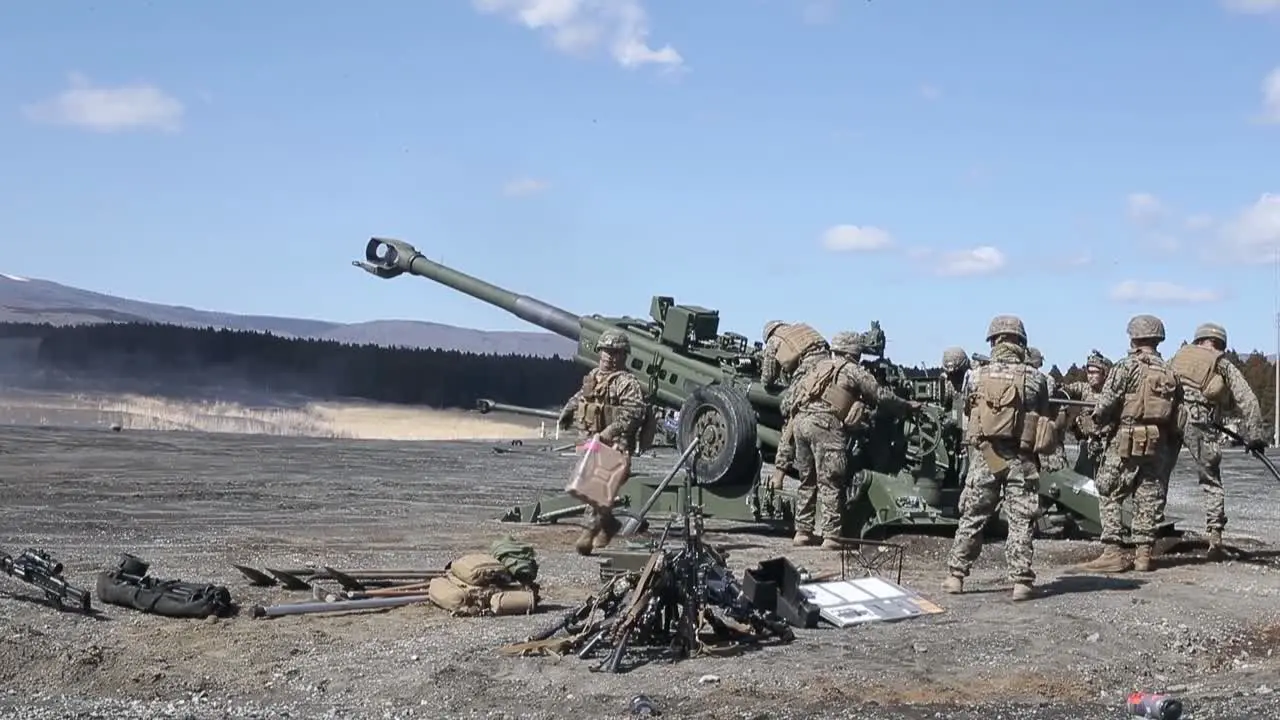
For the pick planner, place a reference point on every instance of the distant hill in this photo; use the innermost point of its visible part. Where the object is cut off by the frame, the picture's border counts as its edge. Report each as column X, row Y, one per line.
column 43, row 301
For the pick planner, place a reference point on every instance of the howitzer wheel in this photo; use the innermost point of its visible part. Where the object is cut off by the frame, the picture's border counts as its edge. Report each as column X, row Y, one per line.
column 725, row 421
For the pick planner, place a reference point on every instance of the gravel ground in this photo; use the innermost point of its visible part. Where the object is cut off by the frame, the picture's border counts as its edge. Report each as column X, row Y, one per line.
column 193, row 504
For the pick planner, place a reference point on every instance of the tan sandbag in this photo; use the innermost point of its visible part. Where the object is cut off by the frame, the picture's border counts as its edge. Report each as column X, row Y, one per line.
column 480, row 569
column 451, row 596
column 512, row 602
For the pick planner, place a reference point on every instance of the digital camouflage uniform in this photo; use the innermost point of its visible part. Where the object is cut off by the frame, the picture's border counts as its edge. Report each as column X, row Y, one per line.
column 610, row 404
column 834, row 399
column 790, row 351
column 1140, row 401
column 1006, row 398
column 1091, row 438
column 1211, row 384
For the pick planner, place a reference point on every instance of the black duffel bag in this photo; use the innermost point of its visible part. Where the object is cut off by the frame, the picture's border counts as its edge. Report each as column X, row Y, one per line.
column 129, row 586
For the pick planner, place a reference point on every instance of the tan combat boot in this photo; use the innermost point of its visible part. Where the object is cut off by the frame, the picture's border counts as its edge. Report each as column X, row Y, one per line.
column 802, row 538
column 1216, row 553
column 830, row 543
column 954, row 584
column 1142, row 561
column 1112, row 560
column 1022, row 591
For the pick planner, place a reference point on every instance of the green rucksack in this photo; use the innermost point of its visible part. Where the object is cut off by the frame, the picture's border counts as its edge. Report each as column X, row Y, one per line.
column 520, row 559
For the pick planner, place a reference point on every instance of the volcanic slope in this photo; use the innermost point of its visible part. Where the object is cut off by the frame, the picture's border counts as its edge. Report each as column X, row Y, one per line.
column 194, row 504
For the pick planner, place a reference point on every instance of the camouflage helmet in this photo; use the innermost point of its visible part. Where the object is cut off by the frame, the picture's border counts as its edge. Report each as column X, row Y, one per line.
column 954, row 358
column 847, row 343
column 770, row 328
column 1035, row 358
column 1006, row 325
column 1098, row 360
column 1146, row 327
column 1211, row 331
column 613, row 340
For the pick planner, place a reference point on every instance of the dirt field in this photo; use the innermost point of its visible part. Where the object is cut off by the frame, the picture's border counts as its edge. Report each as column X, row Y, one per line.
column 283, row 416
column 192, row 504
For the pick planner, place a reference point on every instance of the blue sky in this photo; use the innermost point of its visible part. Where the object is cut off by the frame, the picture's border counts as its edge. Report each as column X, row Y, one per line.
column 926, row 164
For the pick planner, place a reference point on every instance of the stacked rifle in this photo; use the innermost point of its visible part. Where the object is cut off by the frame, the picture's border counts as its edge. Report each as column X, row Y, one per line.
column 40, row 569
column 682, row 594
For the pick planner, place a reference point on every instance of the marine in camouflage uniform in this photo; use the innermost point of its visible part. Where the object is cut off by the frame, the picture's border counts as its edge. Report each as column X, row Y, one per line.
column 832, row 401
column 1055, row 459
column 1091, row 438
column 1140, row 400
column 790, row 351
column 955, row 370
column 1006, row 400
column 956, row 375
column 1211, row 383
column 610, row 404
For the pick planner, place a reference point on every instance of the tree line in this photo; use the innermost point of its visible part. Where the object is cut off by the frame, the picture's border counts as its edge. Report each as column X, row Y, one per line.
column 182, row 358
column 177, row 356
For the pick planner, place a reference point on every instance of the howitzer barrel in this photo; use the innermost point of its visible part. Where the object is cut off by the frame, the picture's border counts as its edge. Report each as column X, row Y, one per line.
column 388, row 258
column 484, row 405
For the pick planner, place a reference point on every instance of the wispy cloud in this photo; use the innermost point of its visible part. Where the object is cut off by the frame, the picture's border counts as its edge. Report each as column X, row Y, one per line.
column 1252, row 7
column 854, row 238
column 1159, row 291
column 982, row 260
column 521, row 187
column 108, row 109
column 581, row 26
column 1253, row 235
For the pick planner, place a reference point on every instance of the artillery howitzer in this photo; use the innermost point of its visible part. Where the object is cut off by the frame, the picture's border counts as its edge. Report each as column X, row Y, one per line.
column 485, row 406
column 912, row 470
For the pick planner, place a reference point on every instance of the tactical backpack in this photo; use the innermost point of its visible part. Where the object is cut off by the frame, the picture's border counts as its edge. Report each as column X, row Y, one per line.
column 502, row 582
column 129, row 586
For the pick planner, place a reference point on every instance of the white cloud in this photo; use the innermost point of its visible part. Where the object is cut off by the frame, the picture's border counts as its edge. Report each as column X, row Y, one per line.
column 1253, row 236
column 930, row 92
column 1079, row 260
column 103, row 109
column 1145, row 208
column 521, row 187
column 578, row 26
column 1252, row 7
column 819, row 12
column 1199, row 221
column 852, row 238
column 1137, row 291
column 976, row 261
column 1271, row 97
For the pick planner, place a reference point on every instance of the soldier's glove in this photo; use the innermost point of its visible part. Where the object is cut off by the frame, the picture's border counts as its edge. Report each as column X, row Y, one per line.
column 566, row 420
column 608, row 435
column 1256, row 445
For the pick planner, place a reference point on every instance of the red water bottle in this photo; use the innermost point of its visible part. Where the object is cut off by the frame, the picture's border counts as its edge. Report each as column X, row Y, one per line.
column 1154, row 706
